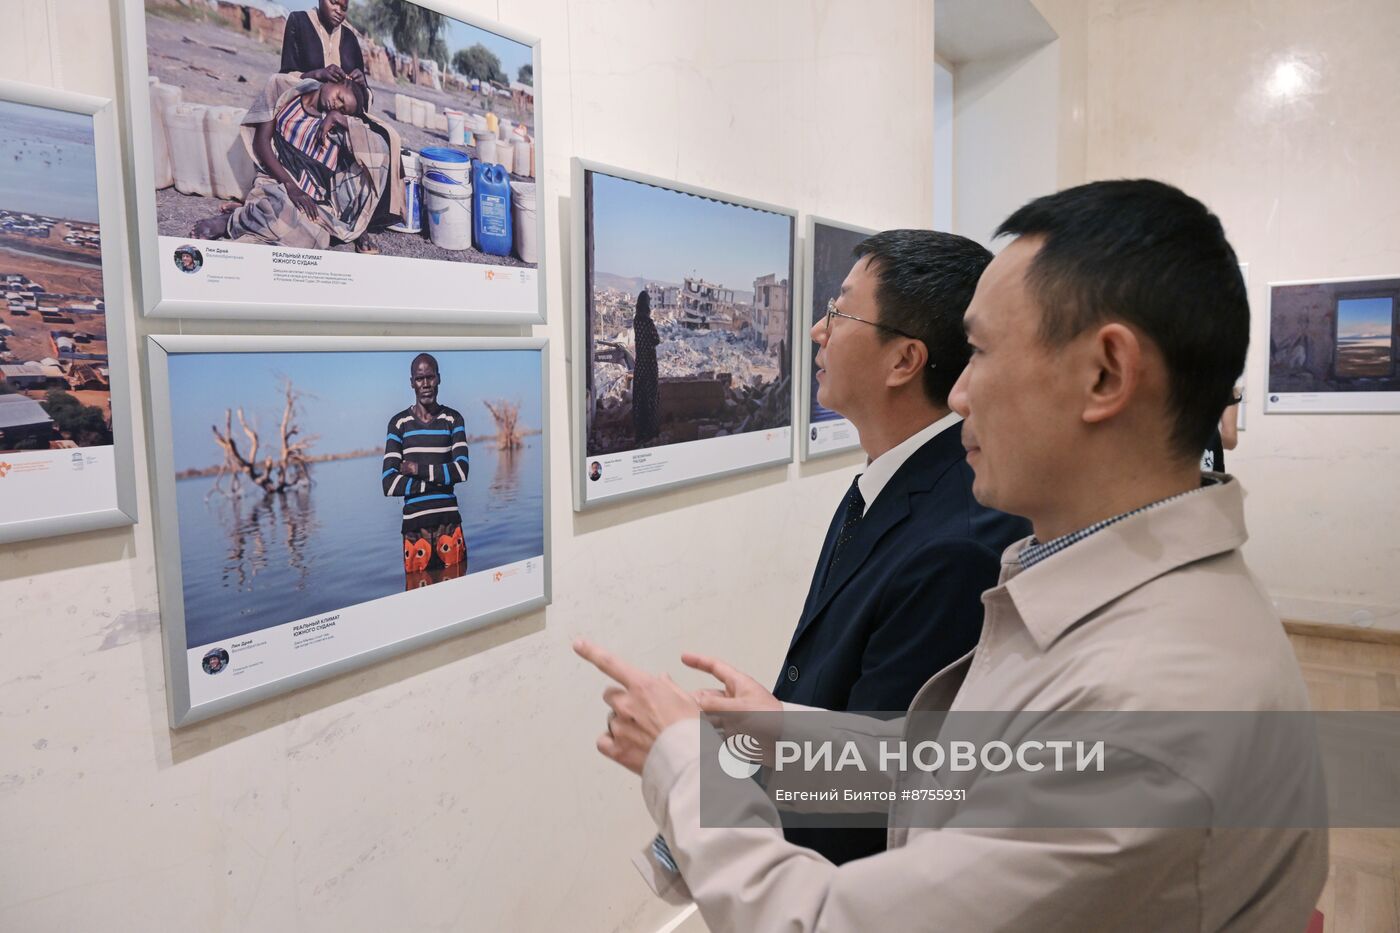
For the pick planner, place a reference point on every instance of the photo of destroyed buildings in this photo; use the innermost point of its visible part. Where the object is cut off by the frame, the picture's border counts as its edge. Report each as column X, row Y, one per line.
column 342, row 163
column 55, row 390
column 689, row 316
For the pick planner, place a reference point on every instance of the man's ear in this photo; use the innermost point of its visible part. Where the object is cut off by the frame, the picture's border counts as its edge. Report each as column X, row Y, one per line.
column 1116, row 359
column 913, row 357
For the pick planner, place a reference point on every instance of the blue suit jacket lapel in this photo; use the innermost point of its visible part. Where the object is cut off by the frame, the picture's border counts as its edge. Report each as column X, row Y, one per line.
column 918, row 474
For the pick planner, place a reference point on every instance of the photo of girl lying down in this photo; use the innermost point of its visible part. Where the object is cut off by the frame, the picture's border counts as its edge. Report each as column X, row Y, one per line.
column 324, row 166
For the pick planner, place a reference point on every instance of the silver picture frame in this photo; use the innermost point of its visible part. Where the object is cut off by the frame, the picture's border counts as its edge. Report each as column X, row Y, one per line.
column 159, row 348
column 802, row 338
column 133, row 68
column 578, row 342
column 112, row 222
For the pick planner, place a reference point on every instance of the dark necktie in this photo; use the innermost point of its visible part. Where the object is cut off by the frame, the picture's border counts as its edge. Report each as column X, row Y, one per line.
column 854, row 509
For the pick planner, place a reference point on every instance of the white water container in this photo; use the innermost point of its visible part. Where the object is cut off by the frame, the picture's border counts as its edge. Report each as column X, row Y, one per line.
column 453, row 163
column 456, row 127
column 231, row 168
column 505, row 155
column 162, row 96
column 447, row 208
column 486, row 148
column 420, row 112
column 522, row 205
column 403, row 108
column 503, row 129
column 189, row 154
column 522, row 156
column 430, row 115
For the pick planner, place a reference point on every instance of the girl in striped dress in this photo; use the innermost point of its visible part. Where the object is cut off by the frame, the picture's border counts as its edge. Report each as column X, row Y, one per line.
column 321, row 169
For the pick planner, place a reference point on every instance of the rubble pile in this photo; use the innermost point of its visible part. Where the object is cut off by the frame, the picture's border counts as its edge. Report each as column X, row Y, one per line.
column 695, row 407
column 712, row 383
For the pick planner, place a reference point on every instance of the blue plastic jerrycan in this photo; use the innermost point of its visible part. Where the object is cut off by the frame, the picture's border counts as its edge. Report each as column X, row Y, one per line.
column 491, row 225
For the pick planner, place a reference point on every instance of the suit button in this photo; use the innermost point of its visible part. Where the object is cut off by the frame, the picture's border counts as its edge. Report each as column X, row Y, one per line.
column 792, row 672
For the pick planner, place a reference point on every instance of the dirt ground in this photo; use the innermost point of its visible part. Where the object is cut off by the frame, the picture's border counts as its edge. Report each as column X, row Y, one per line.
column 218, row 65
column 30, row 340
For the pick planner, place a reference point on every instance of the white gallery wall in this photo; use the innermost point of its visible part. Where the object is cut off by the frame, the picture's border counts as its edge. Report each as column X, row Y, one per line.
column 1009, row 104
column 1006, row 125
column 1281, row 117
column 456, row 787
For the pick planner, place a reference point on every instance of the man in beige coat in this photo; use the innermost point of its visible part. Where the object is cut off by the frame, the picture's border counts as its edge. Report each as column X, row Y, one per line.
column 1105, row 341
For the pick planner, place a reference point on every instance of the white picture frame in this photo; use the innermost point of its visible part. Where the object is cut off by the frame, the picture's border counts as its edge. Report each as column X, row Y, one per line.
column 631, row 473
column 818, row 435
column 256, row 281
column 1302, row 372
column 95, row 484
column 266, row 654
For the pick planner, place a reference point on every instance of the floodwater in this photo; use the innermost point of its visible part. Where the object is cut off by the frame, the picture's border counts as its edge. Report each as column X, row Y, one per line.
column 253, row 561
column 48, row 164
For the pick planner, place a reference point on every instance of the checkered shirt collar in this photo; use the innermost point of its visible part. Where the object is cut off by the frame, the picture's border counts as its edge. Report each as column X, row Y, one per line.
column 1035, row 551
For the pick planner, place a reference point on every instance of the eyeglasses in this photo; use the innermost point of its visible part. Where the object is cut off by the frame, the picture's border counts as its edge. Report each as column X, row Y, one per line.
column 831, row 312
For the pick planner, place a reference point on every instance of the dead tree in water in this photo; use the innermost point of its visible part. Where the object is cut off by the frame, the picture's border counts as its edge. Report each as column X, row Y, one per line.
column 507, row 416
column 288, row 469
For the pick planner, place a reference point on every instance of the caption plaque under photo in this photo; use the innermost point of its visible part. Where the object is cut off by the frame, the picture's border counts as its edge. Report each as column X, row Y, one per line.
column 290, row 167
column 683, row 334
column 323, row 503
column 1333, row 346
column 66, row 444
column 828, row 260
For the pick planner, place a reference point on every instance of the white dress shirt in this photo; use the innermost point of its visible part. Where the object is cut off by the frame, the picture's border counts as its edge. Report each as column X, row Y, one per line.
column 882, row 469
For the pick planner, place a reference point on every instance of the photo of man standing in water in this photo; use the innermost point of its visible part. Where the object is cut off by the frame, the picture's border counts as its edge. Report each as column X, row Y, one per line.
column 425, row 455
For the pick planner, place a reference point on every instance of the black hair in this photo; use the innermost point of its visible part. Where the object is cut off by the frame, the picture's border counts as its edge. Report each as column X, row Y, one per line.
column 360, row 93
column 644, row 303
column 1152, row 256
column 424, row 356
column 925, row 282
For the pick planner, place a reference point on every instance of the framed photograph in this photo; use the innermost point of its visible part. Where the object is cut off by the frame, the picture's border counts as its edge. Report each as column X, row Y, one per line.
column 322, row 503
column 683, row 334
column 328, row 160
column 65, row 420
column 1333, row 346
column 828, row 259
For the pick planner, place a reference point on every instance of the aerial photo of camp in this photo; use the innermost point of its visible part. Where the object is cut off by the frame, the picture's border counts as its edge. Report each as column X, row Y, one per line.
column 55, row 388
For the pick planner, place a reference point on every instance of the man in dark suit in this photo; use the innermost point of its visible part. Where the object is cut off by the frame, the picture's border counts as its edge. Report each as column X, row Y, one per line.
column 896, row 595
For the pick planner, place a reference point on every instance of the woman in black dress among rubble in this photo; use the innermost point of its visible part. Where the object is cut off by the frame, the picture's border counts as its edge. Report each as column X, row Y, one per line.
column 645, row 417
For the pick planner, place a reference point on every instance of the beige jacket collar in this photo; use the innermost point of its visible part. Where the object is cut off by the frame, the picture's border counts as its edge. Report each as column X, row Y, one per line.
column 1065, row 587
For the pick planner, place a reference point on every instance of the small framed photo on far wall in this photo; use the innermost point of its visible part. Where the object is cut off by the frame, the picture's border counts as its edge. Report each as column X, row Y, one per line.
column 1333, row 346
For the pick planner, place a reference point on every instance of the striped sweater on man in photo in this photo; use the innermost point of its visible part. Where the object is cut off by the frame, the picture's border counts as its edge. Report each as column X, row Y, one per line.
column 439, row 447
